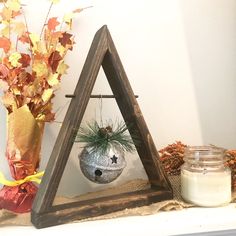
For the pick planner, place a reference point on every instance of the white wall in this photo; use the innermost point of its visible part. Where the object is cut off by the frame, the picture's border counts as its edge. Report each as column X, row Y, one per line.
column 179, row 56
column 210, row 35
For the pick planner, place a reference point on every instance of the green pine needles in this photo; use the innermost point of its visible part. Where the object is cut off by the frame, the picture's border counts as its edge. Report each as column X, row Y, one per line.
column 101, row 139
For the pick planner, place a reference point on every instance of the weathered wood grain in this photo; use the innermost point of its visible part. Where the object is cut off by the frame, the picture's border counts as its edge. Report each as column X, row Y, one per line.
column 95, row 96
column 91, row 208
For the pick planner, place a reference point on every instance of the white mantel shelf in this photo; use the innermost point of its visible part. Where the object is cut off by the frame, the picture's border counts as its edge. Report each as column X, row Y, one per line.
column 187, row 221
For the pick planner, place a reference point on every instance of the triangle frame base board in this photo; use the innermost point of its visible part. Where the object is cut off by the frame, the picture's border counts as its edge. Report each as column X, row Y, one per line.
column 44, row 214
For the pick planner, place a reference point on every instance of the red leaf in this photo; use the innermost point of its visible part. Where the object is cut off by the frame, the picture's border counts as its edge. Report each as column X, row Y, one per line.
column 54, row 60
column 53, row 23
column 24, row 38
column 24, row 60
column 66, row 39
column 5, row 44
column 4, row 71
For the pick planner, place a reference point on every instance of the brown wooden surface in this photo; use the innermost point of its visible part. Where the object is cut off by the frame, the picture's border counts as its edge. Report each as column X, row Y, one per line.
column 87, row 209
column 102, row 52
column 95, row 96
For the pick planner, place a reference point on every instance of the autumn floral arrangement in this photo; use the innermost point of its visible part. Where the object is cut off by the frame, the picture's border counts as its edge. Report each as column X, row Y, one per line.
column 31, row 68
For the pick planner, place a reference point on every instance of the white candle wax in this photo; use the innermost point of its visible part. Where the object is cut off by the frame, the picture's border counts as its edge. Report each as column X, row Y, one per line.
column 206, row 189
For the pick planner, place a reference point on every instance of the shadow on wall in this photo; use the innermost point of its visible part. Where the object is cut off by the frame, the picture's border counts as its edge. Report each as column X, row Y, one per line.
column 210, row 28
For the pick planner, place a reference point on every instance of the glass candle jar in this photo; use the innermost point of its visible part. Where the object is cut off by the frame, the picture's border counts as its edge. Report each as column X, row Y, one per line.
column 205, row 180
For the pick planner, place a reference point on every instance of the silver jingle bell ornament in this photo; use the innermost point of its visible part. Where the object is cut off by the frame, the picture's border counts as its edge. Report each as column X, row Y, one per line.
column 102, row 168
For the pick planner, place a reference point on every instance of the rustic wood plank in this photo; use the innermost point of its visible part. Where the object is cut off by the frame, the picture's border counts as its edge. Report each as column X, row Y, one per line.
column 95, row 96
column 96, row 207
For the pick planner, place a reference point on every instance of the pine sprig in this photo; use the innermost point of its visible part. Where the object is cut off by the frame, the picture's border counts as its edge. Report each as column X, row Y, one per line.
column 101, row 139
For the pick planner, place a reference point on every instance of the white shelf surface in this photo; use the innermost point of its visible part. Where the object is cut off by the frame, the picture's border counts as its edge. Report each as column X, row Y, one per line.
column 186, row 221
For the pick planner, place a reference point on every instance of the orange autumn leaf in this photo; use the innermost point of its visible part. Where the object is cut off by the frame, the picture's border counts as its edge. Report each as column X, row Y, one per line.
column 5, row 44
column 56, row 35
column 15, row 13
column 14, row 74
column 53, row 23
column 78, row 10
column 24, row 38
column 40, row 57
column 24, row 77
column 6, row 62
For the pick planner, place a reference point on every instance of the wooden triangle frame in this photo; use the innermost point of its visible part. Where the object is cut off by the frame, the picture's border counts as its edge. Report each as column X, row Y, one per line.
column 44, row 213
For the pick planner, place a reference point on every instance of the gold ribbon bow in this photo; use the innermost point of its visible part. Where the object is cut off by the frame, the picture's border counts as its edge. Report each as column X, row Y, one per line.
column 31, row 178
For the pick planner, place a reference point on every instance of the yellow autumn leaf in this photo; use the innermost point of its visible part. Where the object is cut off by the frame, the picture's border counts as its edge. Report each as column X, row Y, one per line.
column 5, row 31
column 55, row 1
column 37, row 85
column 8, row 100
column 40, row 68
column 40, row 117
column 6, row 14
column 68, row 19
column 47, row 94
column 34, row 38
column 13, row 59
column 53, row 79
column 16, row 91
column 5, row 22
column 19, row 28
column 61, row 69
column 36, row 100
column 13, row 5
column 30, row 91
column 61, row 49
column 41, row 47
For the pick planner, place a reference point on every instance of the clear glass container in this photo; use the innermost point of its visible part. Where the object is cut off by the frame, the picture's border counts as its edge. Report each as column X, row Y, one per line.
column 205, row 180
